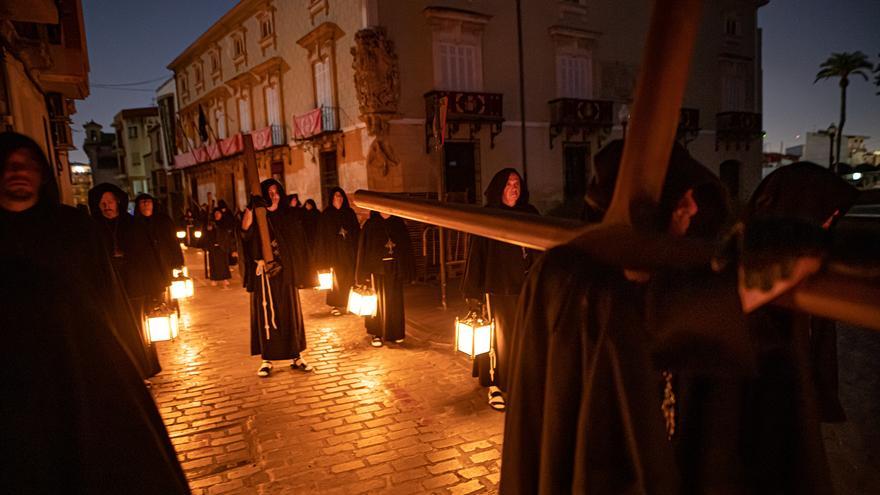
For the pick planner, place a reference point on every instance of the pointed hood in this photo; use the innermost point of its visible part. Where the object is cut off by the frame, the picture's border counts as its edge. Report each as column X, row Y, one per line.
column 95, row 194
column 13, row 141
column 495, row 191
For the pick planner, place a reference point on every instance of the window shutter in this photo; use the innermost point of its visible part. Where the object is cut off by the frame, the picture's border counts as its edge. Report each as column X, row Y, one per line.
column 273, row 112
column 244, row 114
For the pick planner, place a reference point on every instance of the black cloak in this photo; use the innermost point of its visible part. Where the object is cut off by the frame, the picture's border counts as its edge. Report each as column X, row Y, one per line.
column 219, row 243
column 336, row 246
column 136, row 262
column 386, row 262
column 76, row 417
column 588, row 351
column 160, row 230
column 310, row 219
column 499, row 270
column 285, row 337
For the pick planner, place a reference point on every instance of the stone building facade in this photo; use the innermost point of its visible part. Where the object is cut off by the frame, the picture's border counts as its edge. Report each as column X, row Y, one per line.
column 424, row 96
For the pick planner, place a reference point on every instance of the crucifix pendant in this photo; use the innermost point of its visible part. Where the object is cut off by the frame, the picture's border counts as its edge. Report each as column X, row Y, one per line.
column 390, row 246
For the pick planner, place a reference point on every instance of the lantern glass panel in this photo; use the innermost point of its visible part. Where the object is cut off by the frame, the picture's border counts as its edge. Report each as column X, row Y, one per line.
column 325, row 280
column 465, row 337
column 181, row 234
column 161, row 327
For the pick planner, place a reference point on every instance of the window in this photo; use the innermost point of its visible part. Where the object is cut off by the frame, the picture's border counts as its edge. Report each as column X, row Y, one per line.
column 734, row 87
column 266, row 28
column 273, row 104
column 238, row 48
column 215, row 62
column 220, row 119
column 323, row 89
column 244, row 114
column 458, row 67
column 184, row 85
column 132, row 132
column 574, row 76
column 197, row 71
column 732, row 25
column 94, row 135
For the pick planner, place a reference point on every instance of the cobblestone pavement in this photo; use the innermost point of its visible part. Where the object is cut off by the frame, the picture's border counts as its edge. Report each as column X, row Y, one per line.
column 399, row 419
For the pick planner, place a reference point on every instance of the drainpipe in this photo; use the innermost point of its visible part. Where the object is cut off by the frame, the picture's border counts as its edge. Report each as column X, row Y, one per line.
column 522, row 90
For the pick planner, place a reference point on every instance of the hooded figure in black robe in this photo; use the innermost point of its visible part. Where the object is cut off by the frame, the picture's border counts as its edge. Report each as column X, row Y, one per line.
column 219, row 243
column 498, row 270
column 310, row 218
column 277, row 330
column 336, row 248
column 591, row 390
column 160, row 231
column 385, row 262
column 132, row 255
column 75, row 415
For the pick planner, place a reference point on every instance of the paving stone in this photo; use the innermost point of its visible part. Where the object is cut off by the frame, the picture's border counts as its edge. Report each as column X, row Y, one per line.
column 404, row 419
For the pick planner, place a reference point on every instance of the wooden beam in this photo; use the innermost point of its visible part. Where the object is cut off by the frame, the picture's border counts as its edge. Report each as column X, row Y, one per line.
column 252, row 177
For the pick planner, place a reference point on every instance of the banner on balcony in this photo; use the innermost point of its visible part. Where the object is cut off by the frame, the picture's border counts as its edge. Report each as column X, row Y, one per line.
column 307, row 125
column 262, row 138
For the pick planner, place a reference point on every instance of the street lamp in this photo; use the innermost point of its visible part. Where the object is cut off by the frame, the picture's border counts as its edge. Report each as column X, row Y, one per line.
column 832, row 131
column 623, row 117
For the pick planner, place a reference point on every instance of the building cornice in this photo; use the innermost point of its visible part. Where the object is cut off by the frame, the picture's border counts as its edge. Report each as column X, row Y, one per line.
column 229, row 22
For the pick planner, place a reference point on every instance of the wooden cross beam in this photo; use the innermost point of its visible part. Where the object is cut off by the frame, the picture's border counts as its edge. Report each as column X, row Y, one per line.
column 252, row 177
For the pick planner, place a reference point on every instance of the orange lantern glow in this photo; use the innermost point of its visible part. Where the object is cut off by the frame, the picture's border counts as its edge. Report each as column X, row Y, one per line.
column 325, row 279
column 162, row 324
column 362, row 301
column 473, row 335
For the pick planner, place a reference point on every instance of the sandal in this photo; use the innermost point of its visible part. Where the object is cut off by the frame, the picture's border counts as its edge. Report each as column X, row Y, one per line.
column 265, row 369
column 496, row 399
column 335, row 312
column 300, row 365
column 376, row 342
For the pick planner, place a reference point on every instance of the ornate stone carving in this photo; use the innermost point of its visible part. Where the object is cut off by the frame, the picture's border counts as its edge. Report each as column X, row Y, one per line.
column 377, row 82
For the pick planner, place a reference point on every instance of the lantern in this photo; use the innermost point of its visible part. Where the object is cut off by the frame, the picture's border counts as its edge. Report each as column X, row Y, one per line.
column 162, row 324
column 325, row 279
column 362, row 301
column 473, row 335
column 181, row 285
column 197, row 234
column 181, row 234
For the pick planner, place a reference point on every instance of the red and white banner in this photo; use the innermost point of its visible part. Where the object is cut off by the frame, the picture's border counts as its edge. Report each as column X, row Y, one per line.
column 307, row 125
column 262, row 138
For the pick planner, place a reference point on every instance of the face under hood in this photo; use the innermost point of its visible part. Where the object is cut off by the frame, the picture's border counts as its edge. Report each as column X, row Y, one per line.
column 264, row 190
column 13, row 141
column 95, row 194
column 495, row 191
column 138, row 199
column 339, row 190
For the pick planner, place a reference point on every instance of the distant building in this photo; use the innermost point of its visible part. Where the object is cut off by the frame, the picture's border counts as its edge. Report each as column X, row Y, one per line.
column 168, row 183
column 134, row 149
column 818, row 149
column 44, row 67
column 100, row 147
column 81, row 174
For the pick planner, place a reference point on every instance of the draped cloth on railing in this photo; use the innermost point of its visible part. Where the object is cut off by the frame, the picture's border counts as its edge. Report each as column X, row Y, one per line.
column 223, row 148
column 308, row 124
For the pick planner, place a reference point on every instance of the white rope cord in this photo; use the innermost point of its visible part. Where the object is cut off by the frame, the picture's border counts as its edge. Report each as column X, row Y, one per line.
column 266, row 287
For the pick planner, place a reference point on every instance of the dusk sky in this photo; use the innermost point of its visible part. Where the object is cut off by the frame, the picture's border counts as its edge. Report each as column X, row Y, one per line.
column 132, row 41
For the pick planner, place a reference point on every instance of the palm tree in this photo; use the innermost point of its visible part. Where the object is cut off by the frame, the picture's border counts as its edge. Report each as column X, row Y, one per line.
column 843, row 65
column 877, row 76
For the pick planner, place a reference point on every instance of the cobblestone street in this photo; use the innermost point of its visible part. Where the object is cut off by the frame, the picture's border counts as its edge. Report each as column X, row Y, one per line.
column 399, row 419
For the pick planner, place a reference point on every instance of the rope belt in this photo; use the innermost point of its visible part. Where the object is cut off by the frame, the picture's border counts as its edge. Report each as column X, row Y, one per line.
column 266, row 287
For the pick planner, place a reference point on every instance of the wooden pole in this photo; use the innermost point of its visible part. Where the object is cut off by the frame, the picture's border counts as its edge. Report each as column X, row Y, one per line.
column 252, row 177
column 655, row 111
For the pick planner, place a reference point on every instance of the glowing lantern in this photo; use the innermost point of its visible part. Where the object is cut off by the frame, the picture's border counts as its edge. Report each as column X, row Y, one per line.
column 473, row 335
column 325, row 279
column 162, row 324
column 181, row 285
column 181, row 234
column 362, row 301
column 197, row 234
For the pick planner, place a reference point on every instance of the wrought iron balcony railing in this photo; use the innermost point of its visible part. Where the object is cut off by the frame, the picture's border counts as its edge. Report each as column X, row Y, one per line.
column 737, row 128
column 574, row 115
column 445, row 111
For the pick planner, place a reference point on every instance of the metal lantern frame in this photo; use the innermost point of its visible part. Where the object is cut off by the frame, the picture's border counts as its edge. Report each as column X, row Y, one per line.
column 182, row 286
column 363, row 301
column 161, row 324
column 474, row 335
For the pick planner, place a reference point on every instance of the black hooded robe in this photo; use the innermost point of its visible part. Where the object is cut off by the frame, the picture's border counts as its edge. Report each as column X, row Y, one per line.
column 160, row 230
column 218, row 244
column 136, row 263
column 385, row 261
column 277, row 331
column 75, row 415
column 499, row 270
column 336, row 246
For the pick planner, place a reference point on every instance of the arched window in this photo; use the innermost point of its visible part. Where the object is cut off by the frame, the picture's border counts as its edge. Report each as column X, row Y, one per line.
column 729, row 174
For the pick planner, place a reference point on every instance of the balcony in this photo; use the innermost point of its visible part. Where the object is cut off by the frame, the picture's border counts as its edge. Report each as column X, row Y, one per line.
column 573, row 115
column 264, row 138
column 688, row 125
column 62, row 136
column 316, row 123
column 445, row 111
column 737, row 128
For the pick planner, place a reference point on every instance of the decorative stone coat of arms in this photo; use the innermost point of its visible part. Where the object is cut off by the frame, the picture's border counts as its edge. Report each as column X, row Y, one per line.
column 377, row 82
